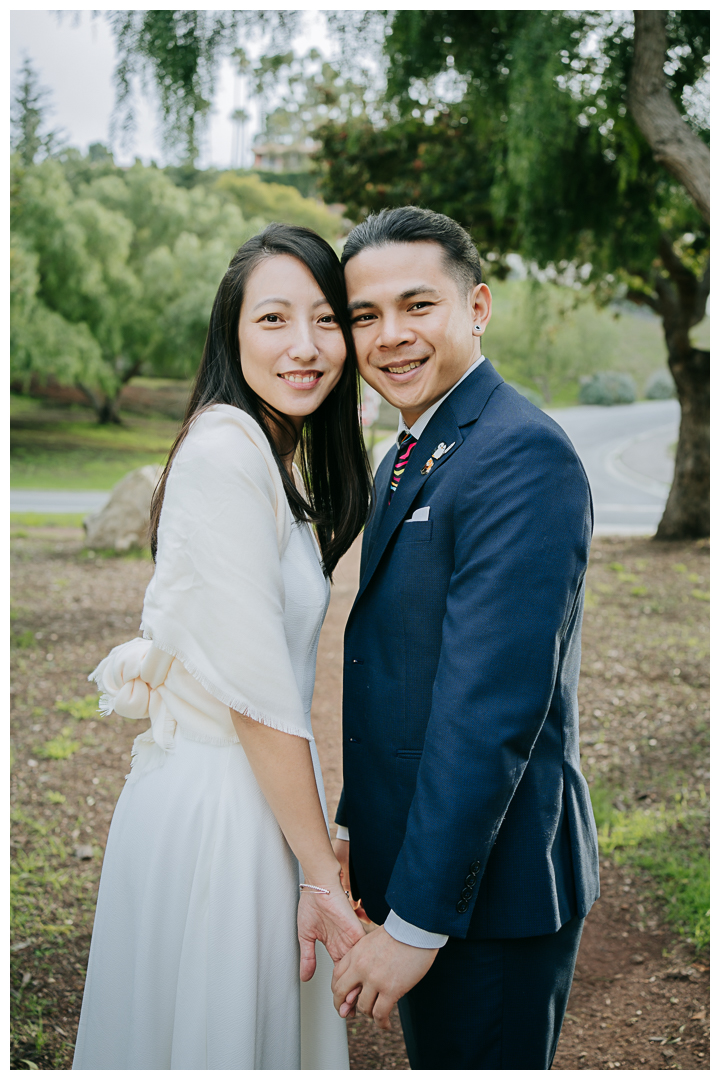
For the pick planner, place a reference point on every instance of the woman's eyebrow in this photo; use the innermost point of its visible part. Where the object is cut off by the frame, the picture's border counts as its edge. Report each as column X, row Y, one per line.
column 273, row 300
column 286, row 302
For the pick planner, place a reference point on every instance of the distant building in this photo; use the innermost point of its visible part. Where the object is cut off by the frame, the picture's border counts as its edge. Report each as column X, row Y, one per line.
column 284, row 157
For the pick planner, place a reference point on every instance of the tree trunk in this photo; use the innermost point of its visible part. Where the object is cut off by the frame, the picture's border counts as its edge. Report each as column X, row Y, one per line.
column 673, row 142
column 687, row 512
column 109, row 412
column 107, row 409
column 680, row 300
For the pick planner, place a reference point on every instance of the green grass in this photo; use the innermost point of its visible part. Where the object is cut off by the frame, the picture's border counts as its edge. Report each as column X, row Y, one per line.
column 24, row 640
column 45, row 521
column 58, row 449
column 85, row 708
column 665, row 842
column 50, row 907
column 45, row 895
column 61, row 747
column 67, row 449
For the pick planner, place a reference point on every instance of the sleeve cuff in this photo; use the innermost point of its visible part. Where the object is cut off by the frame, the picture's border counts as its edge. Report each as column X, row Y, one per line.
column 408, row 934
column 342, row 833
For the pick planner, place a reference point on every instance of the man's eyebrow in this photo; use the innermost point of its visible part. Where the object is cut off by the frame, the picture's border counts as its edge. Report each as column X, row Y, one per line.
column 360, row 304
column 416, row 290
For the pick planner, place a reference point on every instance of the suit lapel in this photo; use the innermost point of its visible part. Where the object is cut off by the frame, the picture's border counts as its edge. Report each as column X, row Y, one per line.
column 442, row 428
column 462, row 407
column 379, row 505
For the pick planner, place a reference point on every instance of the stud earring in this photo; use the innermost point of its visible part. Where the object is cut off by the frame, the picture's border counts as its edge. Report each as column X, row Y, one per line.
column 477, row 328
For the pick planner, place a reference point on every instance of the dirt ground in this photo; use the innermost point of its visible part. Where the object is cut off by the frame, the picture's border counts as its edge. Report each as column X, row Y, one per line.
column 640, row 996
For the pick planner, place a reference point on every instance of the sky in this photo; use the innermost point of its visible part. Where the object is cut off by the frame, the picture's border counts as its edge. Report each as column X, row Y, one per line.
column 74, row 55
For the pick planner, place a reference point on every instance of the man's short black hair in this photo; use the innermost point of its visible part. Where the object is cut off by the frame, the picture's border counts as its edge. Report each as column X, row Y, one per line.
column 410, row 224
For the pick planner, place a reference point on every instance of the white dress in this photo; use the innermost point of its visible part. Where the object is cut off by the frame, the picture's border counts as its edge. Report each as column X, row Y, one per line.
column 194, row 962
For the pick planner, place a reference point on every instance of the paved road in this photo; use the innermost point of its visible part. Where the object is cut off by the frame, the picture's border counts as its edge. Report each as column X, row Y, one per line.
column 27, row 501
column 626, row 453
column 624, row 448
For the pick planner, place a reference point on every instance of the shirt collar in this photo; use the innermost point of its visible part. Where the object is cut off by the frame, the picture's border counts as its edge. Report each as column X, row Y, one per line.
column 422, row 421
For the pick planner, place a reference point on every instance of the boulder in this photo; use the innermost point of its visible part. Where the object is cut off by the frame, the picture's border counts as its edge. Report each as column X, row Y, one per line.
column 124, row 520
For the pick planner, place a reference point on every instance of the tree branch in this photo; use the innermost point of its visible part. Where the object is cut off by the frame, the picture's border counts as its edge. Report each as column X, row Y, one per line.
column 637, row 296
column 90, row 395
column 684, row 280
column 129, row 372
column 702, row 296
column 672, row 140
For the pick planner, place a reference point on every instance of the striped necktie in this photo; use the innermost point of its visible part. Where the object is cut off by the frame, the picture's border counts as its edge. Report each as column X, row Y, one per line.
column 405, row 448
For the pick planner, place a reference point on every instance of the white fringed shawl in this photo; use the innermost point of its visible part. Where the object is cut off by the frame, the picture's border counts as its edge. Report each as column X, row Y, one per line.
column 216, row 601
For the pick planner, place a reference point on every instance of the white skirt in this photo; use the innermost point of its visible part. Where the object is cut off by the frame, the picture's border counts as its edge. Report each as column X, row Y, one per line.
column 194, row 962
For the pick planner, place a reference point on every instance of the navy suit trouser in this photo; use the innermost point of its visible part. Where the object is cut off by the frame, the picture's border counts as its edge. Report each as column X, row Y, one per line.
column 492, row 1003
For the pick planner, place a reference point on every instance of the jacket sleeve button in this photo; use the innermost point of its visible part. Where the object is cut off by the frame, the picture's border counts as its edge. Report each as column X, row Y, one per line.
column 475, row 868
column 466, row 893
column 462, row 906
column 470, row 881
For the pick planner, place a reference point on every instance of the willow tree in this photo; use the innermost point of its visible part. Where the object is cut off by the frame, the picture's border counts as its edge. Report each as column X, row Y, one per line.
column 531, row 127
column 178, row 53
column 521, row 124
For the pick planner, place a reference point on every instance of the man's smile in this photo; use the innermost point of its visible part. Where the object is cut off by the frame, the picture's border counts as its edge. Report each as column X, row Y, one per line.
column 401, row 368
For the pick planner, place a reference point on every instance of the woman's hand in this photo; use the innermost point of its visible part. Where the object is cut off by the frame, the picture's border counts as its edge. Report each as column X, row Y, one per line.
column 326, row 918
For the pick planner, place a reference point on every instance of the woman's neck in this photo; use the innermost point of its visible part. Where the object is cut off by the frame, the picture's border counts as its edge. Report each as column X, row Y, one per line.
column 281, row 437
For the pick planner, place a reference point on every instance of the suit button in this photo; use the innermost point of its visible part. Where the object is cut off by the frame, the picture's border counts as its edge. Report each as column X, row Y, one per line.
column 475, row 868
column 466, row 894
column 462, row 906
column 470, row 880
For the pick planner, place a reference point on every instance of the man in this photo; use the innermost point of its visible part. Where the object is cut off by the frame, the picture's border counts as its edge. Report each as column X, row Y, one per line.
column 464, row 819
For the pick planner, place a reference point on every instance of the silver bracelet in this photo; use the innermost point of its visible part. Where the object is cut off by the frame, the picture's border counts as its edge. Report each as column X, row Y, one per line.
column 317, row 888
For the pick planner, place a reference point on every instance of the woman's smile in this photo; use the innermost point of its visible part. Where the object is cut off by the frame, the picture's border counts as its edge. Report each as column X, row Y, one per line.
column 301, row 380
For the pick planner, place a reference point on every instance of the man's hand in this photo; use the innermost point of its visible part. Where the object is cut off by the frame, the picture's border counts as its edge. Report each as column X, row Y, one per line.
column 342, row 854
column 381, row 969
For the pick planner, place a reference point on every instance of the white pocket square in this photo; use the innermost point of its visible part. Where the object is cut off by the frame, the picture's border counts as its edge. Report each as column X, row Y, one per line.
column 422, row 514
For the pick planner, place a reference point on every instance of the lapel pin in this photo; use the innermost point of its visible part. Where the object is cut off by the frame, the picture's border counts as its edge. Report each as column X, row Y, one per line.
column 440, row 449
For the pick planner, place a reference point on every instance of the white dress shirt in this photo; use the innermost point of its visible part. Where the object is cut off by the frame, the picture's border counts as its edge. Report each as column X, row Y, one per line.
column 403, row 931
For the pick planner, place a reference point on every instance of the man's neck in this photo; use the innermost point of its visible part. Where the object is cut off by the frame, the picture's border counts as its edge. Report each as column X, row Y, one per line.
column 410, row 419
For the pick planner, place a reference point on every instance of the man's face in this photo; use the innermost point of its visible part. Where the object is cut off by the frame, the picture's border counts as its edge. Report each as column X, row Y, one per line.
column 413, row 323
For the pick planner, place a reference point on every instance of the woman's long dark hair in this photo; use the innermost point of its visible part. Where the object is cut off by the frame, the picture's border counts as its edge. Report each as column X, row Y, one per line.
column 332, row 456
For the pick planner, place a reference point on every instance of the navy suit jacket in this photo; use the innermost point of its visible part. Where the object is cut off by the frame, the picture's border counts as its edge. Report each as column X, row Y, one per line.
column 467, row 810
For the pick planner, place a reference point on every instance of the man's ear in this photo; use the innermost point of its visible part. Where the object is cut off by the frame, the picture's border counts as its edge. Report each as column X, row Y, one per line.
column 481, row 303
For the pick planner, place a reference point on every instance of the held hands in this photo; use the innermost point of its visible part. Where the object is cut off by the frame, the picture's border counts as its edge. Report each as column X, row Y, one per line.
column 327, row 918
column 376, row 973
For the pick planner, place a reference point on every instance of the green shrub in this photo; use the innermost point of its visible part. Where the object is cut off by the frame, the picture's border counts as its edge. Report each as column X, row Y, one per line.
column 607, row 388
column 532, row 395
column 660, row 386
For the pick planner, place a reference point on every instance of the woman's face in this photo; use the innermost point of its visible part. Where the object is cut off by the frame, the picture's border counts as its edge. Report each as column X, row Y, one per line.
column 292, row 349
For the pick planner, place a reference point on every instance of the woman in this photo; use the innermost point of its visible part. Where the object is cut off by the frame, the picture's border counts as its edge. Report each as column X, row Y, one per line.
column 194, row 958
